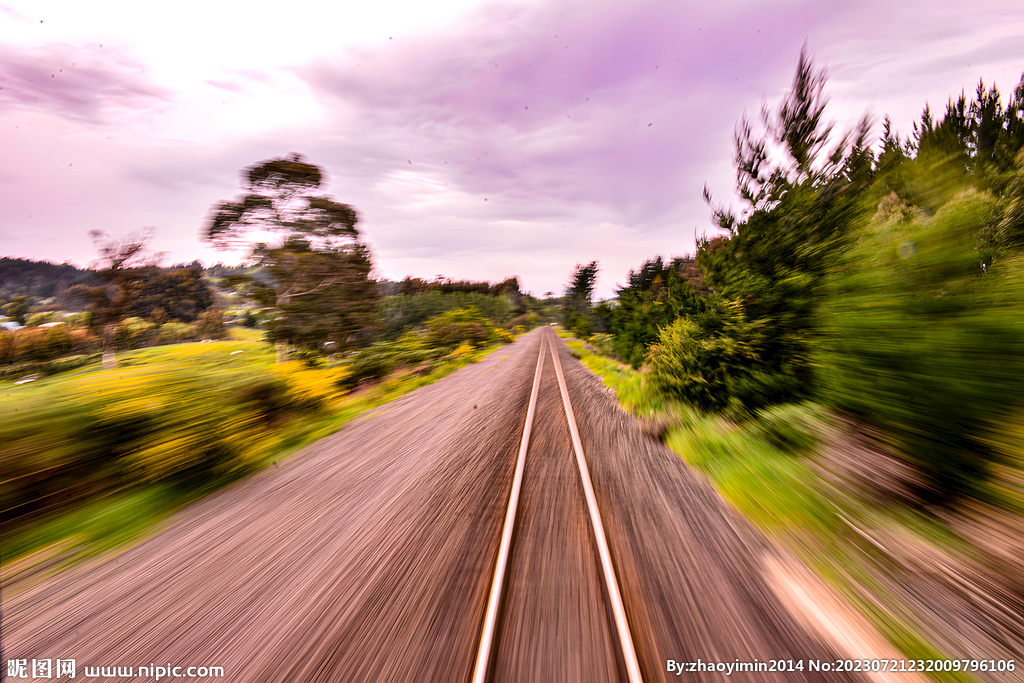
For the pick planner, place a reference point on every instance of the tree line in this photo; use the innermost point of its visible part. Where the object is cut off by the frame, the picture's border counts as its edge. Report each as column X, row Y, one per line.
column 885, row 284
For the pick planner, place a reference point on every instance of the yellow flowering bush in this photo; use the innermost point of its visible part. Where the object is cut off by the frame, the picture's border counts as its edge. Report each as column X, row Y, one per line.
column 311, row 388
column 170, row 425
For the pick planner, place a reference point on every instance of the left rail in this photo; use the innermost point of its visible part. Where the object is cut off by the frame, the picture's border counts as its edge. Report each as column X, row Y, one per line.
column 491, row 617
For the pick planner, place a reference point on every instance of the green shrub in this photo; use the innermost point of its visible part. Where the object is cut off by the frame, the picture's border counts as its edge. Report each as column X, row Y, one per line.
column 79, row 319
column 211, row 325
column 924, row 344
column 8, row 344
column 268, row 396
column 311, row 388
column 170, row 426
column 399, row 314
column 58, row 341
column 381, row 358
column 39, row 345
column 101, row 433
column 31, row 345
column 714, row 362
column 176, row 332
column 503, row 336
column 445, row 333
column 459, row 326
column 133, row 333
column 49, row 367
column 38, row 319
column 604, row 344
column 656, row 296
column 581, row 327
column 791, row 428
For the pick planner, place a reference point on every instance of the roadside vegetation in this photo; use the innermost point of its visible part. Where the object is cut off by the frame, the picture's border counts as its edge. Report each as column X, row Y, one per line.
column 95, row 457
column 888, row 289
column 46, row 350
column 822, row 488
column 842, row 360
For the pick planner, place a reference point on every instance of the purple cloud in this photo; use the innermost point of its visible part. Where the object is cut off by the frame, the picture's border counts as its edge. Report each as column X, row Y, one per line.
column 545, row 118
column 75, row 83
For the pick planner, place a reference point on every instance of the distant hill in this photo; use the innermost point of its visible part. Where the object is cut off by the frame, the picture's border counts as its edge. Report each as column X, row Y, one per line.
column 47, row 285
column 40, row 280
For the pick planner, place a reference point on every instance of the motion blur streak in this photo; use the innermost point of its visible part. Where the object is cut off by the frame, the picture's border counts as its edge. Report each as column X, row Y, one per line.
column 367, row 556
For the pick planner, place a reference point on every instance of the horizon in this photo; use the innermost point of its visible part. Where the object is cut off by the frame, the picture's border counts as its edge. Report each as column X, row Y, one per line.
column 229, row 266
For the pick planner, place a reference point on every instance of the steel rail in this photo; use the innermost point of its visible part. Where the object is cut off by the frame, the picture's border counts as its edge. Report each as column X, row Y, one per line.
column 618, row 609
column 487, row 635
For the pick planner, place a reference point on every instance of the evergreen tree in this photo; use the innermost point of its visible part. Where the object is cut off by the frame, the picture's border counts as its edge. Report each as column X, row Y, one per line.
column 767, row 269
column 656, row 294
column 578, row 296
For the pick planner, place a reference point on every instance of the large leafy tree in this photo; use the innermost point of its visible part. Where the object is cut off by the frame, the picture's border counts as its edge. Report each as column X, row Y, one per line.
column 309, row 244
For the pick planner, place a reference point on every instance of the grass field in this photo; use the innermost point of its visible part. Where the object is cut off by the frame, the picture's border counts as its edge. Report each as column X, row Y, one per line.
column 95, row 458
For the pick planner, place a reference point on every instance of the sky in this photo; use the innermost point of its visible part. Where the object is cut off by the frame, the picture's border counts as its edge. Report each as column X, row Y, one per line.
column 477, row 140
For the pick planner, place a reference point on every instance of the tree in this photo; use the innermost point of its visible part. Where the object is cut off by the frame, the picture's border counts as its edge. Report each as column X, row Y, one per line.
column 920, row 342
column 578, row 296
column 166, row 296
column 657, row 293
column 802, row 195
column 40, row 280
column 459, row 326
column 136, row 288
column 581, row 284
column 889, row 168
column 324, row 294
column 404, row 312
column 121, row 268
column 320, row 271
column 973, row 142
column 17, row 308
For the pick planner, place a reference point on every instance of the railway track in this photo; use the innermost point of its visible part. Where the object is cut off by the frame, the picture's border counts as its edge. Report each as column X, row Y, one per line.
column 612, row 594
column 394, row 551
